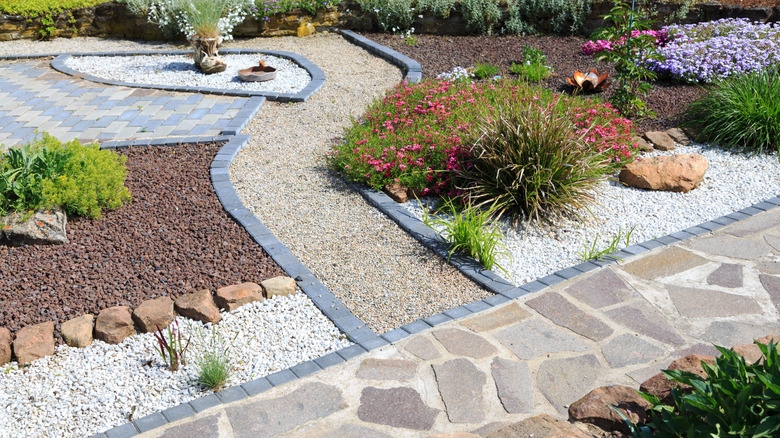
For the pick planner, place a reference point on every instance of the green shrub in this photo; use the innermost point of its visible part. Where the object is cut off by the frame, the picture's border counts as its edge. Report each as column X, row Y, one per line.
column 534, row 66
column 735, row 399
column 529, row 159
column 481, row 15
column 82, row 179
column 390, row 15
column 741, row 112
column 93, row 179
column 558, row 16
column 186, row 18
column 471, row 231
column 484, row 71
column 23, row 171
column 35, row 8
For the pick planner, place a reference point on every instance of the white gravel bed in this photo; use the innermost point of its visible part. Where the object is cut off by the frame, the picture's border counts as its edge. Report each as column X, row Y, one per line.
column 732, row 182
column 180, row 70
column 78, row 392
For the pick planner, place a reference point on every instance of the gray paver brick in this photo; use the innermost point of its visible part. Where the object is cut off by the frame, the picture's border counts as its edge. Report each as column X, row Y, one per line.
column 398, row 407
column 604, row 288
column 688, row 302
column 463, row 343
column 628, row 349
column 564, row 381
column 460, row 385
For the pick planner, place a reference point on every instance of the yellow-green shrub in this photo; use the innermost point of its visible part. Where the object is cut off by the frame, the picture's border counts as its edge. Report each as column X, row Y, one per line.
column 93, row 179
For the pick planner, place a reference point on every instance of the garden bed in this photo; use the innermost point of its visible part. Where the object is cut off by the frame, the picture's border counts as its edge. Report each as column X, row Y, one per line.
column 173, row 238
column 439, row 54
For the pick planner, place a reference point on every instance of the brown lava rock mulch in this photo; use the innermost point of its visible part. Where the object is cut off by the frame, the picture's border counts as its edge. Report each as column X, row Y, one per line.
column 438, row 54
column 173, row 238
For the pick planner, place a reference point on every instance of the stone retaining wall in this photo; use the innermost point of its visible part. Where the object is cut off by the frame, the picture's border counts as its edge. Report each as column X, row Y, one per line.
column 115, row 20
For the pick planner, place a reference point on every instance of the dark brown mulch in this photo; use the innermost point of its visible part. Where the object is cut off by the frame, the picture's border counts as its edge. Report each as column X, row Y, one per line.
column 437, row 54
column 173, row 238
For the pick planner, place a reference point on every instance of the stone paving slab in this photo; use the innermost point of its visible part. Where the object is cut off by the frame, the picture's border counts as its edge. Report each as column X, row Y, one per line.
column 34, row 97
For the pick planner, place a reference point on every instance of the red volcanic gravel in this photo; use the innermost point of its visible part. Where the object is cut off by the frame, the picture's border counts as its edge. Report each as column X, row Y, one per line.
column 438, row 54
column 173, row 238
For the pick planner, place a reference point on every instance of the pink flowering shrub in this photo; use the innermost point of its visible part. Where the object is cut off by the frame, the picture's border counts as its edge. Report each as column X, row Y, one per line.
column 415, row 135
column 593, row 47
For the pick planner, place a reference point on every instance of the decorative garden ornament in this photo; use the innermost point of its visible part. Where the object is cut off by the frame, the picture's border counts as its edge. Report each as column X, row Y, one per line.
column 206, row 54
column 590, row 81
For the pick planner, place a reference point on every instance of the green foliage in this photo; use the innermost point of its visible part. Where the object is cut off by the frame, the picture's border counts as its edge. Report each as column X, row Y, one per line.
column 735, row 399
column 741, row 111
column 470, row 231
column 213, row 364
column 171, row 348
column 82, row 179
column 484, row 71
column 481, row 15
column 529, row 159
column 23, row 171
column 630, row 66
column 439, row 8
column 36, row 8
column 390, row 15
column 558, row 16
column 534, row 66
column 92, row 179
column 591, row 253
column 202, row 18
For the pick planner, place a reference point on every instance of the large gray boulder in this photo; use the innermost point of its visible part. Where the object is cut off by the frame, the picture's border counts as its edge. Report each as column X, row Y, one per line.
column 44, row 227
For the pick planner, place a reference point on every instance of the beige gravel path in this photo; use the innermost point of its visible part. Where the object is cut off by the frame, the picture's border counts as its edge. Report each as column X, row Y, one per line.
column 380, row 273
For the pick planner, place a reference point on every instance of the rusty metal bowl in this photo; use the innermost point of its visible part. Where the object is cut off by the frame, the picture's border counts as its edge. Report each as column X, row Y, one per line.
column 259, row 73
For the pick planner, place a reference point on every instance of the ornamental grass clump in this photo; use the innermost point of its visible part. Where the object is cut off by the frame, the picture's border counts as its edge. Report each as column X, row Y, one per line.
column 705, row 52
column 529, row 159
column 470, row 230
column 741, row 112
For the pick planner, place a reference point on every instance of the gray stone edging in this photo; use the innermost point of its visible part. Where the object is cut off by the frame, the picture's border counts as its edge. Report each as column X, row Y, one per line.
column 316, row 73
column 498, row 285
column 411, row 69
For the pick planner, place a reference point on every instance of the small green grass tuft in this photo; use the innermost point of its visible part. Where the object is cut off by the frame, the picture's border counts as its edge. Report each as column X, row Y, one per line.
column 534, row 66
column 471, row 231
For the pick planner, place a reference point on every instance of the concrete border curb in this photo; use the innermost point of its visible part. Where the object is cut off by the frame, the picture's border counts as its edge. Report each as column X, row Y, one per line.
column 409, row 67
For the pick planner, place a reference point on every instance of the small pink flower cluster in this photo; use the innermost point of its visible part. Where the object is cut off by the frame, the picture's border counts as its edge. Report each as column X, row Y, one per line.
column 593, row 47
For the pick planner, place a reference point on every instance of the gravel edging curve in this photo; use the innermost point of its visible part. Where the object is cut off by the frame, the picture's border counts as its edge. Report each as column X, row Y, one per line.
column 316, row 73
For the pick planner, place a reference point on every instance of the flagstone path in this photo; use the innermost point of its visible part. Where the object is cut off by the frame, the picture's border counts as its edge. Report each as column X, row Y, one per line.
column 619, row 324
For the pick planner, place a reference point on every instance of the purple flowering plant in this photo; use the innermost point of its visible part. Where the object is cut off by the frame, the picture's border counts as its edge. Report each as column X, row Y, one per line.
column 705, row 52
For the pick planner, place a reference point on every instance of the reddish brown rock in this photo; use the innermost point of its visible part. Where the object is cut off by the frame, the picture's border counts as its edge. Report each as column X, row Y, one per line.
column 676, row 173
column 661, row 387
column 594, row 408
column 33, row 342
column 642, row 144
column 77, row 332
column 114, row 324
column 660, row 140
column 281, row 285
column 154, row 314
column 396, row 192
column 5, row 345
column 751, row 352
column 540, row 426
column 678, row 135
column 198, row 306
column 232, row 297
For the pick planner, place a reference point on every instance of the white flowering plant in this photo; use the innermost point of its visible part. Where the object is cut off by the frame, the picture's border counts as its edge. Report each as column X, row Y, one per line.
column 201, row 18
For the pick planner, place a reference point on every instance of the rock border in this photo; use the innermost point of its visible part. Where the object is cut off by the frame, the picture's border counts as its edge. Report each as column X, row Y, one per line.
column 316, row 73
column 364, row 338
